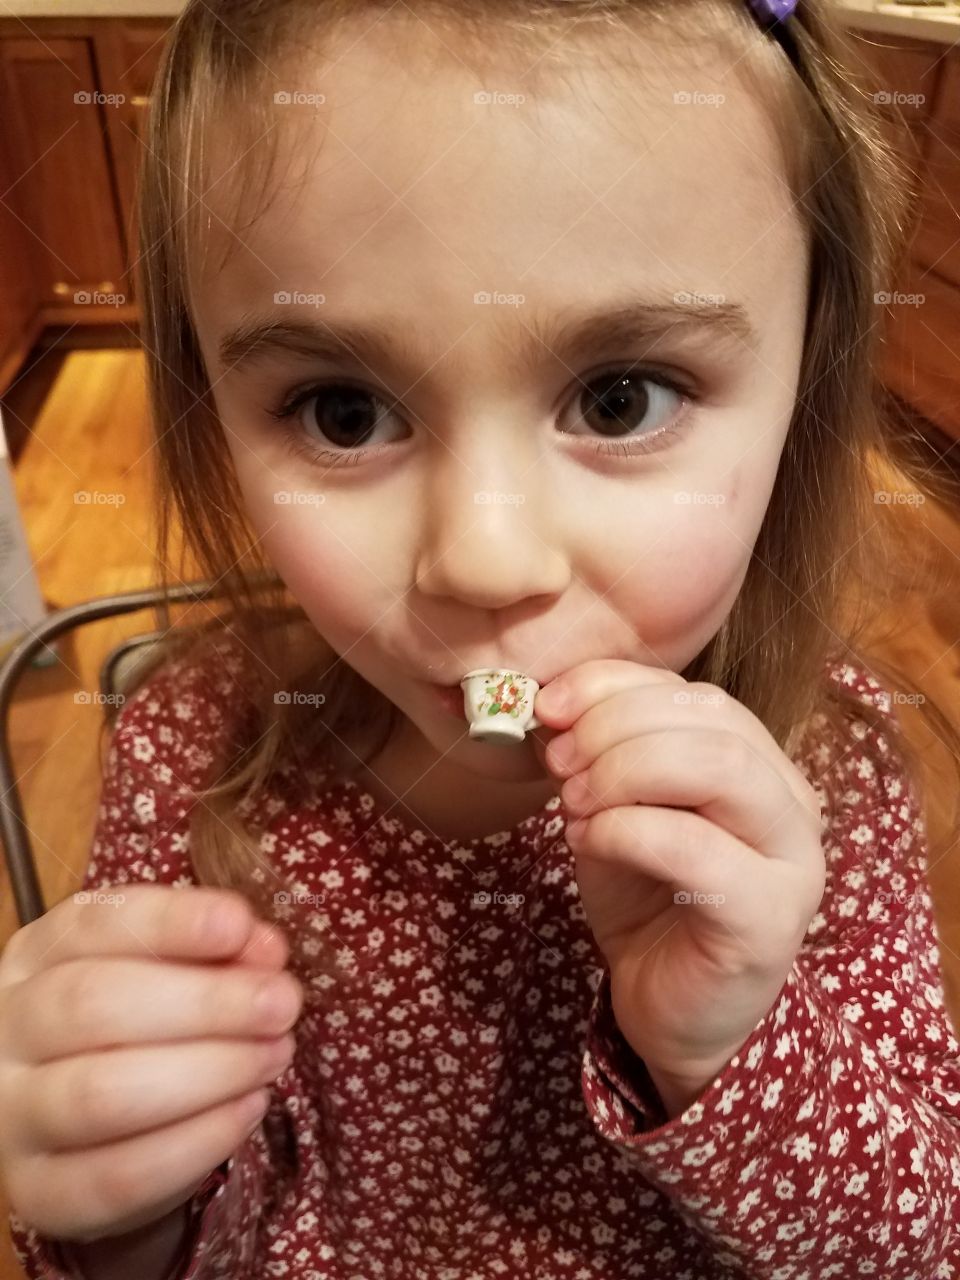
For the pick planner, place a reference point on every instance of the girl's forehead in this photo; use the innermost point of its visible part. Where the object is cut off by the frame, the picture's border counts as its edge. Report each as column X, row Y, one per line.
column 384, row 179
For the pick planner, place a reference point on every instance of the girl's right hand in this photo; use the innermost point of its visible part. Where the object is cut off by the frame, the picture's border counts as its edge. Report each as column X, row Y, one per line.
column 133, row 1052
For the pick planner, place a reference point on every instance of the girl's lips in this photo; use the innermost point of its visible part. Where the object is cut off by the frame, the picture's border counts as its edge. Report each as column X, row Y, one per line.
column 450, row 698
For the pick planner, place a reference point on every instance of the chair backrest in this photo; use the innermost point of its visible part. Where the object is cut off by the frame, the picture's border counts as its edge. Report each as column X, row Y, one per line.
column 119, row 669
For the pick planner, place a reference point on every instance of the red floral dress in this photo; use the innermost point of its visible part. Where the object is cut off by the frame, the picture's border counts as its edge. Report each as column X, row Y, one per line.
column 472, row 1112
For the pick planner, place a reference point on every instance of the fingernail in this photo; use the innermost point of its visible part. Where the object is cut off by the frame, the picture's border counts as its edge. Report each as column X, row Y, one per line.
column 560, row 754
column 278, row 1001
column 574, row 792
column 552, row 699
column 255, row 1106
column 268, row 932
column 220, row 924
column 280, row 1055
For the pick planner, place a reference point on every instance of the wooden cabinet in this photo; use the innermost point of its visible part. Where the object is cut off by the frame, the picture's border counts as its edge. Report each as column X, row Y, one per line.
column 922, row 82
column 923, row 364
column 55, row 116
column 19, row 303
column 128, row 54
column 72, row 96
column 936, row 238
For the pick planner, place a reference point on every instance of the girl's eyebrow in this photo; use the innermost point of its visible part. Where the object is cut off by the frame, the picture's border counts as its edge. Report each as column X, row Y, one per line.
column 278, row 333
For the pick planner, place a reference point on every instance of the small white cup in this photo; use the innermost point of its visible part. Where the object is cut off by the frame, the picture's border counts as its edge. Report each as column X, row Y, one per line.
column 499, row 704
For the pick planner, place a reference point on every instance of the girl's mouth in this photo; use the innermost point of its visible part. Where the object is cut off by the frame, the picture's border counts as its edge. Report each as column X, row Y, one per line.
column 450, row 698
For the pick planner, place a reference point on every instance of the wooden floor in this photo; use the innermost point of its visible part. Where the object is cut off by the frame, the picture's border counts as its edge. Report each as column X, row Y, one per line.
column 91, row 435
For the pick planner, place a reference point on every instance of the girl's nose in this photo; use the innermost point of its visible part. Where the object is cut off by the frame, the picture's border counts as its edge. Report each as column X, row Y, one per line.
column 488, row 539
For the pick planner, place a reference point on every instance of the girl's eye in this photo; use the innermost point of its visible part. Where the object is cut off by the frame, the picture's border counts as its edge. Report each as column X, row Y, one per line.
column 621, row 403
column 616, row 404
column 344, row 414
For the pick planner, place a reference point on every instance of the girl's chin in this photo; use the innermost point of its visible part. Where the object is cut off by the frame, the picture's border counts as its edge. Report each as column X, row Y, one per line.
column 510, row 761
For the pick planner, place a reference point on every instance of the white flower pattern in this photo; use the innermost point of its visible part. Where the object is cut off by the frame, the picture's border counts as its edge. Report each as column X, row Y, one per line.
column 475, row 1113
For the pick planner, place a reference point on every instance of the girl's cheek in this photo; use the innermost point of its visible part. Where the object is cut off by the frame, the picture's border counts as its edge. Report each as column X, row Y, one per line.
column 332, row 571
column 676, row 594
column 694, row 601
column 327, row 547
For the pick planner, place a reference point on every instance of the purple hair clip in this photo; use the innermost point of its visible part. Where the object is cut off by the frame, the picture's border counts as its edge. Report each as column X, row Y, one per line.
column 767, row 12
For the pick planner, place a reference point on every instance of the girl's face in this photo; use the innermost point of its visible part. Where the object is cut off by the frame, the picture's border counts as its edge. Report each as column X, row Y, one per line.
column 576, row 320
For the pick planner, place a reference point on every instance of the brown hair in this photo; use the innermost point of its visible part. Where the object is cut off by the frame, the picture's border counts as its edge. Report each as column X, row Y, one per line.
column 828, row 561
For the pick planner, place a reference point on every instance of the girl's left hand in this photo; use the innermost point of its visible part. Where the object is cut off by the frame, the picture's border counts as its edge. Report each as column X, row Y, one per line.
column 698, row 855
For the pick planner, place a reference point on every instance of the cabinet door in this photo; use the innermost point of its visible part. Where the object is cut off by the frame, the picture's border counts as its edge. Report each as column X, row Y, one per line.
column 903, row 78
column 919, row 84
column 19, row 295
column 936, row 243
column 923, row 354
column 56, row 137
column 128, row 54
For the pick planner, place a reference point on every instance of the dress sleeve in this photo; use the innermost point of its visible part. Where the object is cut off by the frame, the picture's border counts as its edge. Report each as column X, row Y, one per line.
column 830, row 1144
column 158, row 751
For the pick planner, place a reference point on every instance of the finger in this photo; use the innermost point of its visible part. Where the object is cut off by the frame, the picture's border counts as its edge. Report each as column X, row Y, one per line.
column 86, row 1192
column 541, row 737
column 267, row 947
column 734, row 891
column 712, row 771
column 87, row 1004
column 99, row 1097
column 678, row 848
column 644, row 709
column 197, row 922
column 561, row 702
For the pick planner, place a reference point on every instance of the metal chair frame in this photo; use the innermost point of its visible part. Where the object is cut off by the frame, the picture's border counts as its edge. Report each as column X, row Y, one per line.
column 17, row 848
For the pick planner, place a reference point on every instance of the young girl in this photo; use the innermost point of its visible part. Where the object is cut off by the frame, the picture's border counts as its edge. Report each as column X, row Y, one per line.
column 657, row 992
